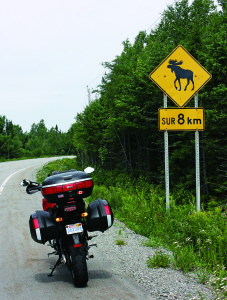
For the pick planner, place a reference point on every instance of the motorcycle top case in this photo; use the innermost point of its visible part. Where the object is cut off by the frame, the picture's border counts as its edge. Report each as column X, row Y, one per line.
column 42, row 227
column 100, row 216
column 60, row 187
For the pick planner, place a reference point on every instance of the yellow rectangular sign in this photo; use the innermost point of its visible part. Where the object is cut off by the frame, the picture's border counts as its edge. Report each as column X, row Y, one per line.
column 181, row 119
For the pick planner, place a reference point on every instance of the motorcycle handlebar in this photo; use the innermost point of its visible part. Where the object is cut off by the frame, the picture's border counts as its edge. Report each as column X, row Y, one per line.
column 32, row 188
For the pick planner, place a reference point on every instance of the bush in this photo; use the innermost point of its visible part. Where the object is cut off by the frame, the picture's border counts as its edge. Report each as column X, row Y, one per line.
column 159, row 260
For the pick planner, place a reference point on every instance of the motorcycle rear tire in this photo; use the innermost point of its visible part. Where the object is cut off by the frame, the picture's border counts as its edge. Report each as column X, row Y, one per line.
column 78, row 266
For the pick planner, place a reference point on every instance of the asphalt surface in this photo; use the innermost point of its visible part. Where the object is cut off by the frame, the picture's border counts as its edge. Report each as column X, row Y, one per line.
column 24, row 264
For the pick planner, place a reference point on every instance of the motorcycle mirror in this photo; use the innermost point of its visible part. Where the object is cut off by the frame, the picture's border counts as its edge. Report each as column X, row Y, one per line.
column 89, row 170
column 25, row 182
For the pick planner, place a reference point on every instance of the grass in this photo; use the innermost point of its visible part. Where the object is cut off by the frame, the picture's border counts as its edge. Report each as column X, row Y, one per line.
column 198, row 240
column 203, row 276
column 120, row 242
column 159, row 260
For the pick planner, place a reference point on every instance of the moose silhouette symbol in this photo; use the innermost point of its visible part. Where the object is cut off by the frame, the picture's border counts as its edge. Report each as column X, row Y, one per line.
column 180, row 73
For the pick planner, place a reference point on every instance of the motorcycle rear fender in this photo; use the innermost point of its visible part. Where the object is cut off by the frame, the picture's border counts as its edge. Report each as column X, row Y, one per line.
column 76, row 240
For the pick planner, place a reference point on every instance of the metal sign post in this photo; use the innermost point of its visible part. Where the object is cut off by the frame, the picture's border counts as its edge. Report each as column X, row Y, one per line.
column 166, row 143
column 197, row 164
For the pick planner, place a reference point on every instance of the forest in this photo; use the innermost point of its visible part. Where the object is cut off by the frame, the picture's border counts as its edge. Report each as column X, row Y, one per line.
column 118, row 130
column 38, row 142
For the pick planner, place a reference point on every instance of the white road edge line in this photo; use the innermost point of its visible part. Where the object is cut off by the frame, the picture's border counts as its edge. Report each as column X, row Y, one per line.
column 2, row 186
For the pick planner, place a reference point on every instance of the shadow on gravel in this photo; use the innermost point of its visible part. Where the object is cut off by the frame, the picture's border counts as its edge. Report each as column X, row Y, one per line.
column 99, row 274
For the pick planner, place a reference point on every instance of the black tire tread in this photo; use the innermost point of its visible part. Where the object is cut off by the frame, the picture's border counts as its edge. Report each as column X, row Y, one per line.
column 78, row 266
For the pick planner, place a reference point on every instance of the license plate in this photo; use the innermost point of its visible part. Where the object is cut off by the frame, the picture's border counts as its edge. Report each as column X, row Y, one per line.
column 74, row 228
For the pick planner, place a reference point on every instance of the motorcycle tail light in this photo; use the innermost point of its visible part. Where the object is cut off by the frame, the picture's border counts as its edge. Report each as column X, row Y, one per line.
column 67, row 187
column 84, row 184
column 57, row 189
column 52, row 190
column 77, row 245
column 80, row 185
column 70, row 208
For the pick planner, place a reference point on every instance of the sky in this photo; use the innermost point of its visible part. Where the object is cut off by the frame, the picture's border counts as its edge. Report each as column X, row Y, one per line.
column 52, row 50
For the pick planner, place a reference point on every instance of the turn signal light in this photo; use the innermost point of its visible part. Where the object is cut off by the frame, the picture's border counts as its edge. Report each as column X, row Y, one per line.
column 84, row 214
column 59, row 219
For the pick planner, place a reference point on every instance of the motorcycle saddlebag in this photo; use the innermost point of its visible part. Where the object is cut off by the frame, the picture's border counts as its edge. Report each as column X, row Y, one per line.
column 100, row 216
column 62, row 186
column 42, row 227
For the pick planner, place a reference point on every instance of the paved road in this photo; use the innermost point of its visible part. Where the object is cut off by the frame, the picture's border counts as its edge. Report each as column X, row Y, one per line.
column 24, row 264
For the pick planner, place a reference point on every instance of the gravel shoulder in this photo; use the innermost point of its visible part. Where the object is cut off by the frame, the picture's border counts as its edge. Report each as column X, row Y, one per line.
column 131, row 259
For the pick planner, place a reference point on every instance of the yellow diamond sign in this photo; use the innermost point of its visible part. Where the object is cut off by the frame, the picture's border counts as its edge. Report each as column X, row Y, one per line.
column 180, row 76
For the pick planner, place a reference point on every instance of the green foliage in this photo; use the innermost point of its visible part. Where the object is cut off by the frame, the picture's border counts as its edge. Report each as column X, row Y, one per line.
column 120, row 242
column 58, row 165
column 153, row 241
column 185, row 258
column 202, row 235
column 159, row 260
column 218, row 280
column 37, row 143
column 202, row 275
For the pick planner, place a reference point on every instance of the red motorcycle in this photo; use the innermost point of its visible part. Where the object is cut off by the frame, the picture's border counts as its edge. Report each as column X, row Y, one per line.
column 65, row 221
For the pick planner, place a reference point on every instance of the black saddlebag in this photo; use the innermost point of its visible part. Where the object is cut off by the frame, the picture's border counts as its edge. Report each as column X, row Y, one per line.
column 42, row 227
column 100, row 216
